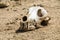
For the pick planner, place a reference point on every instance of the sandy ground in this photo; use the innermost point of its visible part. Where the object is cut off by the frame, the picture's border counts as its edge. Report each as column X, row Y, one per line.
column 10, row 18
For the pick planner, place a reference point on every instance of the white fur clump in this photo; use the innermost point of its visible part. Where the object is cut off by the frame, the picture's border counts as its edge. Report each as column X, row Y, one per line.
column 33, row 13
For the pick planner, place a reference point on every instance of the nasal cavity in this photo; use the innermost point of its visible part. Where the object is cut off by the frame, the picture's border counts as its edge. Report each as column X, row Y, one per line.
column 24, row 18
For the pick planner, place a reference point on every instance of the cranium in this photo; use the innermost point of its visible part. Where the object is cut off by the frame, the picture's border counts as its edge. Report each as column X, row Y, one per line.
column 34, row 18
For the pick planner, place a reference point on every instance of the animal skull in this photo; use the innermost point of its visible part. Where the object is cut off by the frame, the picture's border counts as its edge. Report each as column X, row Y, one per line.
column 35, row 16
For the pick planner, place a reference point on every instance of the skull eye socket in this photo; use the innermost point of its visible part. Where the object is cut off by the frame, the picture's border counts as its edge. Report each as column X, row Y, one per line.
column 24, row 18
column 39, row 13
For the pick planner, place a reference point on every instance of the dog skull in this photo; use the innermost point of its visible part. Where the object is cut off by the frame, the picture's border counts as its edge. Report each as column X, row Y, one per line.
column 35, row 16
